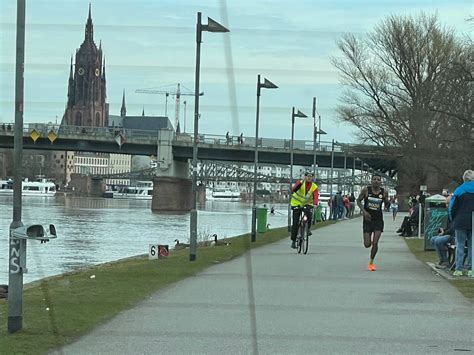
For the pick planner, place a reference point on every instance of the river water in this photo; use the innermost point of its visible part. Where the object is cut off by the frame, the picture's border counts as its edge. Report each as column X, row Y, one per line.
column 92, row 231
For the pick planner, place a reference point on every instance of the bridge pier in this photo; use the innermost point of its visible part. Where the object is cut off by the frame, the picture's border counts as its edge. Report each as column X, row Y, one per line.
column 201, row 193
column 171, row 194
column 86, row 185
column 97, row 187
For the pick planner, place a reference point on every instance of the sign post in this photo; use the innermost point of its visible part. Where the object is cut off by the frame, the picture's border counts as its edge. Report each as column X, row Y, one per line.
column 17, row 247
column 423, row 188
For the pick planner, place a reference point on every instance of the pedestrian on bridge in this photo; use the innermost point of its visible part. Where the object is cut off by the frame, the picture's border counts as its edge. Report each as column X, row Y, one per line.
column 372, row 225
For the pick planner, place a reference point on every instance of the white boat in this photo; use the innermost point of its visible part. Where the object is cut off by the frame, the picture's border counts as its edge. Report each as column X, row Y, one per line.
column 223, row 194
column 142, row 191
column 40, row 187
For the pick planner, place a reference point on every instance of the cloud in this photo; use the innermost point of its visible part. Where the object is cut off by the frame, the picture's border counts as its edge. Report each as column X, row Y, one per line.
column 152, row 43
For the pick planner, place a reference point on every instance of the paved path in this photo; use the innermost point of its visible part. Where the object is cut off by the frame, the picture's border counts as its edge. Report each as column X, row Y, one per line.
column 321, row 303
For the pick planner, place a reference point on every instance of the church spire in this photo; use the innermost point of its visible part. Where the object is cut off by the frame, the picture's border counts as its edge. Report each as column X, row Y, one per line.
column 89, row 26
column 143, row 112
column 103, row 70
column 70, row 70
column 123, row 110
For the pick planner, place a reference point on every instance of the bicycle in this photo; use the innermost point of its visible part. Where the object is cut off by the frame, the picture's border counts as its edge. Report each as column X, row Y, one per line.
column 302, row 239
column 323, row 217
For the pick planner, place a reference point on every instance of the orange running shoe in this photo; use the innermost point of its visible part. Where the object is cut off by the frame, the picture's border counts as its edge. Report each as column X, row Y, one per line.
column 371, row 267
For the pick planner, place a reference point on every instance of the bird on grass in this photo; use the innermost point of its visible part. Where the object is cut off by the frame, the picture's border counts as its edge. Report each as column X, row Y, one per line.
column 179, row 245
column 216, row 242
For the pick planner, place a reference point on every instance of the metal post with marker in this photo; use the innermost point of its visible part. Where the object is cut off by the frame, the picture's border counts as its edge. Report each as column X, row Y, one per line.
column 17, row 255
column 423, row 188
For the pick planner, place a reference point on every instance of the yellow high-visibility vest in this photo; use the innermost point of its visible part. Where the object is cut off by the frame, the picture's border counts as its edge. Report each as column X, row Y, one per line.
column 301, row 197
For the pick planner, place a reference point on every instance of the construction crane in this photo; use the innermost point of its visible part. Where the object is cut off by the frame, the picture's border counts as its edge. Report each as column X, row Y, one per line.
column 177, row 94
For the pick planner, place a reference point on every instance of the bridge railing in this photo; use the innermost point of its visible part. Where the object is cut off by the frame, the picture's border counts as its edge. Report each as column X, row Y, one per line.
column 98, row 133
column 233, row 141
column 148, row 136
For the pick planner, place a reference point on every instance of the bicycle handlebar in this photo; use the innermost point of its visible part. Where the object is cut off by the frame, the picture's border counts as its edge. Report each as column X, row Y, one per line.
column 304, row 207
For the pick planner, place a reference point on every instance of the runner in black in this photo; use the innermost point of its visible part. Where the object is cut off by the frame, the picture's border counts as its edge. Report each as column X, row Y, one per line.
column 372, row 226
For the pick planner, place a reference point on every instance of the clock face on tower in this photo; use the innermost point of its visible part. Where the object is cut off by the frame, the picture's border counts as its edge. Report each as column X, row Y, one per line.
column 81, row 71
column 97, row 72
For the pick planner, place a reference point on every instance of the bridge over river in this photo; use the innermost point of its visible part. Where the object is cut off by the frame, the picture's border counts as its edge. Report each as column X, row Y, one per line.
column 174, row 151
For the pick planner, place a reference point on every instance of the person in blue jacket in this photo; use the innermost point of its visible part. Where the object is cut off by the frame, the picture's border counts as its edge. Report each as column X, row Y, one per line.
column 460, row 213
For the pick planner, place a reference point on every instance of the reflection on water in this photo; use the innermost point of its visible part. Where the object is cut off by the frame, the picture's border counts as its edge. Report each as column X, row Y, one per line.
column 97, row 230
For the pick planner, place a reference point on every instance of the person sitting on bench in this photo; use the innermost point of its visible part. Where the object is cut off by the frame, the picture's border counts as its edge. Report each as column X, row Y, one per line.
column 440, row 243
column 406, row 228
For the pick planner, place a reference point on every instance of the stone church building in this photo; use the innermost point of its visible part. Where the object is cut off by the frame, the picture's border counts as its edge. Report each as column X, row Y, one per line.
column 86, row 93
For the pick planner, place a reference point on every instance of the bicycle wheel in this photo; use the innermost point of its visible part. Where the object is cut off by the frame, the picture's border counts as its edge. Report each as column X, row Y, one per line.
column 305, row 240
column 299, row 239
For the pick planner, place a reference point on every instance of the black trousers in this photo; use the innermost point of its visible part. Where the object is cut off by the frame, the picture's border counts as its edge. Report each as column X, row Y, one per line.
column 406, row 226
column 295, row 222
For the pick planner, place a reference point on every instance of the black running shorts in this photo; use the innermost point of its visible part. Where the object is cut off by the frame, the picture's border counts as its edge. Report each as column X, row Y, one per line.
column 372, row 226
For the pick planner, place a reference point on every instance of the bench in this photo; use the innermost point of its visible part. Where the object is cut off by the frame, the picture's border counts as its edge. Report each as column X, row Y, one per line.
column 452, row 255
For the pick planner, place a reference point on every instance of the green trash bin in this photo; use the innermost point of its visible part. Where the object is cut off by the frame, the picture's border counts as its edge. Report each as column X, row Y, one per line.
column 317, row 214
column 261, row 219
column 435, row 217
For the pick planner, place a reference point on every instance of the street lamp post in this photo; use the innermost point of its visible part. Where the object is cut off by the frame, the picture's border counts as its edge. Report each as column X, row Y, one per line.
column 166, row 104
column 212, row 26
column 293, row 116
column 17, row 247
column 332, row 166
column 315, row 132
column 184, row 103
column 353, row 173
column 267, row 84
column 318, row 132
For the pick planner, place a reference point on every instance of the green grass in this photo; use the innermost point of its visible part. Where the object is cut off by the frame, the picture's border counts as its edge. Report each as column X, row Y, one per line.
column 78, row 303
column 466, row 287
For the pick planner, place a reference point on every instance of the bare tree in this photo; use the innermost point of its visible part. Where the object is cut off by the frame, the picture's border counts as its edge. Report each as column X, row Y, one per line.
column 408, row 85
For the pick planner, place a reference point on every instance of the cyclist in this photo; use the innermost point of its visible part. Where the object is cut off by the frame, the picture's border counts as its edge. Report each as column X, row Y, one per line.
column 373, row 196
column 304, row 193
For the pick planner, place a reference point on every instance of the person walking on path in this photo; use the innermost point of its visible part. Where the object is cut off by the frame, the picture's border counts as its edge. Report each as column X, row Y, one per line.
column 460, row 212
column 372, row 225
column 352, row 205
column 394, row 207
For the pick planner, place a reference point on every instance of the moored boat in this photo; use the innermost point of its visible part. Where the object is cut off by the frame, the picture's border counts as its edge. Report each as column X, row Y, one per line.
column 40, row 187
column 223, row 194
column 142, row 191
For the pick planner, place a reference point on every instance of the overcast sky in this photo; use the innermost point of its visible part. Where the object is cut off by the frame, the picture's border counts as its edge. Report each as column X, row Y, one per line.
column 151, row 43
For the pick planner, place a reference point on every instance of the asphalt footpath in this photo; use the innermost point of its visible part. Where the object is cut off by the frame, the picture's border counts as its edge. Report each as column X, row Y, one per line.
column 274, row 301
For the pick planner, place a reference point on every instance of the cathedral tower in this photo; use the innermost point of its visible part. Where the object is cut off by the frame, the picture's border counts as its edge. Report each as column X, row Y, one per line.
column 86, row 104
